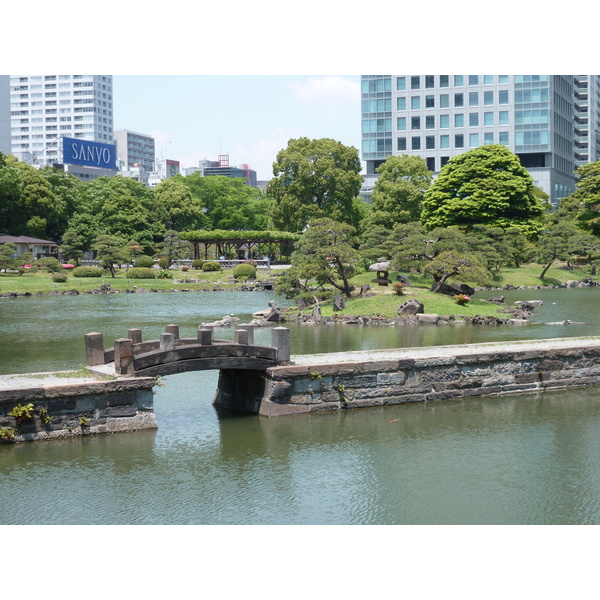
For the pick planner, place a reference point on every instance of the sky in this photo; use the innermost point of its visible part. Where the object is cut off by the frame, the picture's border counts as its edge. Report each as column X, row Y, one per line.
column 249, row 117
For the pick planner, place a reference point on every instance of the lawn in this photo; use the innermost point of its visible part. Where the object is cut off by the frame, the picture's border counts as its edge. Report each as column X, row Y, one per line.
column 42, row 281
column 386, row 302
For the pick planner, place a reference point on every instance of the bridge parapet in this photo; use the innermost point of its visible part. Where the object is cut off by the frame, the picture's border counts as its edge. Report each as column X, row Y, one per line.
column 132, row 356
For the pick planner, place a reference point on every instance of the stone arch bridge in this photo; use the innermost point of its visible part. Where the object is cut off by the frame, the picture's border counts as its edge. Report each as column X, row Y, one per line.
column 241, row 363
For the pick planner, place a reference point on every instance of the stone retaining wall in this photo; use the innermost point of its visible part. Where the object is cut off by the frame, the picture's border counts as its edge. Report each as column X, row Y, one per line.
column 322, row 387
column 113, row 406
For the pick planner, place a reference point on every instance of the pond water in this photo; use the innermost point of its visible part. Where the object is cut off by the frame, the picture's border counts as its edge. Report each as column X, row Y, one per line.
column 522, row 459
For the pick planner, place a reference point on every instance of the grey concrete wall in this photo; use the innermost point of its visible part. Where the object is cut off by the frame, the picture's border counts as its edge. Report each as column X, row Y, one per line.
column 325, row 387
column 113, row 406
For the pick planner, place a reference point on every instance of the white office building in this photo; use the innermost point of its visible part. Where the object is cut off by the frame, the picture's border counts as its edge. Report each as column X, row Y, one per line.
column 5, row 114
column 544, row 119
column 44, row 108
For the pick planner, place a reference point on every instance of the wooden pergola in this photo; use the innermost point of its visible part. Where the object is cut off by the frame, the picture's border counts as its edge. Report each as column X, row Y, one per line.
column 241, row 245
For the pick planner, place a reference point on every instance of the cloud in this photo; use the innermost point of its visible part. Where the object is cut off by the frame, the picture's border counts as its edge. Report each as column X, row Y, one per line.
column 327, row 91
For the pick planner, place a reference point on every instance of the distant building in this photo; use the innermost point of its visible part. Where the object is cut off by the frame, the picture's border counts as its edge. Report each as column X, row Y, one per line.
column 44, row 108
column 5, row 114
column 550, row 121
column 222, row 167
column 135, row 154
column 39, row 248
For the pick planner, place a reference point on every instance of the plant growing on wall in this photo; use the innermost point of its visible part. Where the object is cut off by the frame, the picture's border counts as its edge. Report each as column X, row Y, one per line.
column 7, row 434
column 22, row 413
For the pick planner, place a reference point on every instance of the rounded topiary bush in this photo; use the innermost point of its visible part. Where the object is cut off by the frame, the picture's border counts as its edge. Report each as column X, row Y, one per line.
column 163, row 263
column 197, row 263
column 140, row 273
column 59, row 277
column 211, row 265
column 87, row 272
column 244, row 271
column 144, row 261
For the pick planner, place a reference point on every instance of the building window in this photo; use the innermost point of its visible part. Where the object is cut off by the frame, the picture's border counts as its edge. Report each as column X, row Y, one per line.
column 459, row 100
column 459, row 120
column 503, row 117
column 430, row 160
column 503, row 138
column 444, row 121
column 502, row 78
column 429, row 142
column 401, row 103
column 473, row 140
column 415, row 103
column 488, row 118
column 430, row 122
column 444, row 100
column 488, row 98
column 415, row 123
column 444, row 141
column 429, row 102
column 473, row 119
column 443, row 161
column 473, row 79
column 416, row 143
column 503, row 97
column 488, row 138
column 458, row 80
column 401, row 143
column 444, row 79
column 429, row 81
column 473, row 99
column 488, row 79
column 401, row 124
column 400, row 83
column 459, row 140
column 415, row 82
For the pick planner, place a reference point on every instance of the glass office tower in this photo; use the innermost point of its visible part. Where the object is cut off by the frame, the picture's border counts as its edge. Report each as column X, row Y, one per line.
column 440, row 116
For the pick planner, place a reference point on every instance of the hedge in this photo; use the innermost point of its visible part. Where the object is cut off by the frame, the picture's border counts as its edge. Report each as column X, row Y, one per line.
column 87, row 272
column 140, row 273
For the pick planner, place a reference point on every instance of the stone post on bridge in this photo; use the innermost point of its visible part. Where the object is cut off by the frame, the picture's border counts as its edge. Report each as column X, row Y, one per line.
column 94, row 349
column 135, row 335
column 280, row 338
column 250, row 333
column 124, row 357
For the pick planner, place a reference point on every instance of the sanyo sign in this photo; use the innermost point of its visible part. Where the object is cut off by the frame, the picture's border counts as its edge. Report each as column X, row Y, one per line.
column 89, row 154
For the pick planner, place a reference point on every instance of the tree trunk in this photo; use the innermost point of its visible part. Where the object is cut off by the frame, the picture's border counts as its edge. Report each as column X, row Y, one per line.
column 546, row 268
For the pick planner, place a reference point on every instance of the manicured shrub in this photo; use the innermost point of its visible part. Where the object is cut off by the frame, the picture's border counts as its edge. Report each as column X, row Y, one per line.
column 87, row 272
column 244, row 271
column 164, row 274
column 211, row 265
column 50, row 263
column 141, row 273
column 197, row 263
column 144, row 261
column 185, row 269
column 163, row 263
column 59, row 277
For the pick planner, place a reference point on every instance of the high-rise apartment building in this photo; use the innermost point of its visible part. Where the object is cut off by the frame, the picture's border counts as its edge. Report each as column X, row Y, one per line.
column 5, row 114
column 135, row 150
column 44, row 108
column 541, row 118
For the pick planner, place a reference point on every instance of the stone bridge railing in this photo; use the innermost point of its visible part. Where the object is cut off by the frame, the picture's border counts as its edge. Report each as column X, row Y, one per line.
column 172, row 354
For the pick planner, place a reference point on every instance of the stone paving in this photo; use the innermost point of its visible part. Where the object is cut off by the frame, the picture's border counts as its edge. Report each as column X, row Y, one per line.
column 431, row 351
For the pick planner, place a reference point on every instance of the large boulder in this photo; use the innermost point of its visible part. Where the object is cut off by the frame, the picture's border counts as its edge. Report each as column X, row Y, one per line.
column 453, row 289
column 411, row 307
column 339, row 303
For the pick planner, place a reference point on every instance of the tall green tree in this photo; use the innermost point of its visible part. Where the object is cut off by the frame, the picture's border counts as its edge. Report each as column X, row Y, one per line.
column 176, row 208
column 555, row 243
column 173, row 248
column 314, row 179
column 110, row 252
column 123, row 208
column 399, row 190
column 229, row 203
column 583, row 205
column 486, row 185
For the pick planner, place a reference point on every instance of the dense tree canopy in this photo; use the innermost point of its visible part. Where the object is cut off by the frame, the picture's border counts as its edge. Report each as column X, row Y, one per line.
column 487, row 185
column 583, row 206
column 399, row 190
column 315, row 179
